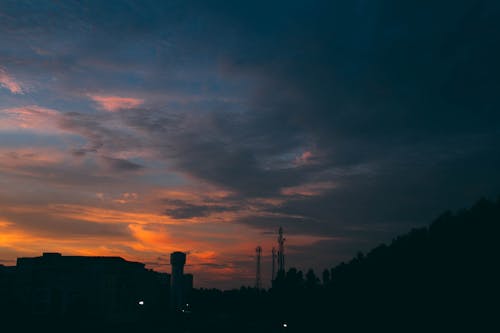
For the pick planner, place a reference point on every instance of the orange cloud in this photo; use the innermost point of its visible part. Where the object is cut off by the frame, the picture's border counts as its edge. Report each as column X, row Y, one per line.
column 217, row 253
column 24, row 243
column 205, row 255
column 220, row 251
column 9, row 83
column 151, row 238
column 115, row 103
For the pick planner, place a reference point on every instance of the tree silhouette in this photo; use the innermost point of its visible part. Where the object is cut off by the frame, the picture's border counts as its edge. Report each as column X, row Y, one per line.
column 326, row 277
column 311, row 280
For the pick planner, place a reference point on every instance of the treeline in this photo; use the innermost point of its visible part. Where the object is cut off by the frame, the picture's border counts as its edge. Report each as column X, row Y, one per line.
column 442, row 277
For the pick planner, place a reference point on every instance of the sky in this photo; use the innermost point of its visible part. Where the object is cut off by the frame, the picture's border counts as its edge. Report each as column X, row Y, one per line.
column 138, row 128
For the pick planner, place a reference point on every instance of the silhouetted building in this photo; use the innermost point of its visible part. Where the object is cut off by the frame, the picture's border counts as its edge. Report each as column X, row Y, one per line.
column 7, row 279
column 187, row 285
column 108, row 288
column 181, row 284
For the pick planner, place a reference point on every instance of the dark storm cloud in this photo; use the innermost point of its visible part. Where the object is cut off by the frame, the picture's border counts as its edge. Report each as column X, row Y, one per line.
column 223, row 148
column 404, row 92
column 407, row 90
column 379, row 84
column 237, row 170
column 376, row 70
column 399, row 195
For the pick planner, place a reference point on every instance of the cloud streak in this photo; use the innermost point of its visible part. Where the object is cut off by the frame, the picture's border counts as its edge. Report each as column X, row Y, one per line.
column 116, row 103
column 31, row 117
column 9, row 83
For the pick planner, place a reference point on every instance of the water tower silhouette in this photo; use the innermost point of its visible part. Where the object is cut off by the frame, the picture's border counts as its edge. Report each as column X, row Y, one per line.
column 177, row 261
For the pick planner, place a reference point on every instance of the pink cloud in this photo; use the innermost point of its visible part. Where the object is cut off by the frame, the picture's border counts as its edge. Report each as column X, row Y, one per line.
column 115, row 103
column 10, row 83
column 304, row 158
column 308, row 157
column 32, row 117
column 20, row 157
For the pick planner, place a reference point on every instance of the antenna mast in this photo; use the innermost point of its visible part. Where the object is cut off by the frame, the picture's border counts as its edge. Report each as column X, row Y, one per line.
column 281, row 251
column 273, row 276
column 258, row 251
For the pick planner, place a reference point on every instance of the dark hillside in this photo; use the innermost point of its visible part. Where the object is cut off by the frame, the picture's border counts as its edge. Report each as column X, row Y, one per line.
column 438, row 278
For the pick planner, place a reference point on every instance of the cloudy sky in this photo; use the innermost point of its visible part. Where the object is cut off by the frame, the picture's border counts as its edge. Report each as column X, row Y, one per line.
column 136, row 128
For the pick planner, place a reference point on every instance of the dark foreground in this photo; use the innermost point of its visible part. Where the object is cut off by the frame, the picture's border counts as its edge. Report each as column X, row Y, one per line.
column 442, row 278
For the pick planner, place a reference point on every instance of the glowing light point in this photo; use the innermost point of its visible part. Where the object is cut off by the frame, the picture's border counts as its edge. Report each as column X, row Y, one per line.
column 141, row 302
column 285, row 325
